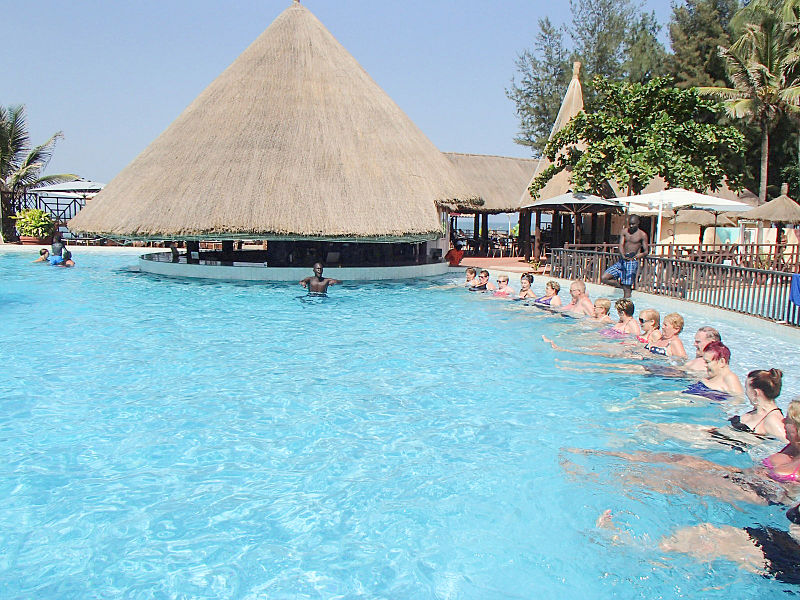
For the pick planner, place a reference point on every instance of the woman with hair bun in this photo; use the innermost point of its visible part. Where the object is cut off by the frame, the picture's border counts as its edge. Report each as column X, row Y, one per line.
column 762, row 388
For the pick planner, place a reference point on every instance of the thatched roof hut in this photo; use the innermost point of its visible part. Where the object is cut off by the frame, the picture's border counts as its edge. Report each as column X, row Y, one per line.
column 293, row 140
column 496, row 179
column 571, row 105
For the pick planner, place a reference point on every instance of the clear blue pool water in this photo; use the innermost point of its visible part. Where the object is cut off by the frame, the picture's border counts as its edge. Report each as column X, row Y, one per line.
column 179, row 439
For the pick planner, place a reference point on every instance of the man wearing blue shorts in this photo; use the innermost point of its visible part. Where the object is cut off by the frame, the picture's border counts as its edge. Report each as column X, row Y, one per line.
column 632, row 247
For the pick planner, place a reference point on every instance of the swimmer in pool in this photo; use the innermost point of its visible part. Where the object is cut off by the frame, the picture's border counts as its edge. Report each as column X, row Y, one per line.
column 669, row 345
column 44, row 256
column 580, row 305
column 762, row 389
column 471, row 277
column 703, row 337
column 602, row 306
column 766, row 551
column 774, row 481
column 627, row 324
column 503, row 289
column 719, row 377
column 525, row 291
column 483, row 284
column 318, row 284
column 650, row 320
column 550, row 297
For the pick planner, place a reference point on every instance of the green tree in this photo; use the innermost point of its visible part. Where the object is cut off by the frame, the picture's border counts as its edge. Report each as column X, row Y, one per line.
column 645, row 56
column 639, row 131
column 543, row 79
column 697, row 28
column 600, row 30
column 761, row 64
column 21, row 166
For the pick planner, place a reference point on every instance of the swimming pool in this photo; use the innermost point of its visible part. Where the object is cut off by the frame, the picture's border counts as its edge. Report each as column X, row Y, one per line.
column 169, row 438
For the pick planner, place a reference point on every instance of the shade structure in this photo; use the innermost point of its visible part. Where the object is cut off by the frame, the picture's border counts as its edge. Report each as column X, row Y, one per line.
column 780, row 210
column 681, row 198
column 496, row 179
column 704, row 218
column 293, row 140
column 575, row 203
column 79, row 186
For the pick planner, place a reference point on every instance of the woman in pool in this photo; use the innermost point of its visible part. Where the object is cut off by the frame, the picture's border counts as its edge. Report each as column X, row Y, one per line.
column 650, row 321
column 602, row 306
column 550, row 297
column 721, row 382
column 669, row 344
column 525, row 290
column 775, row 481
column 503, row 289
column 626, row 324
column 762, row 388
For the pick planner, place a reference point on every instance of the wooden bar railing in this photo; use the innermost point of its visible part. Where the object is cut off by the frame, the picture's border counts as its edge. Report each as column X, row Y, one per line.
column 757, row 292
column 771, row 257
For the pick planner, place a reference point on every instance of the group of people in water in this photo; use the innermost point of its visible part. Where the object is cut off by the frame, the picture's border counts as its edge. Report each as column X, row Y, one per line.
column 651, row 345
column 57, row 255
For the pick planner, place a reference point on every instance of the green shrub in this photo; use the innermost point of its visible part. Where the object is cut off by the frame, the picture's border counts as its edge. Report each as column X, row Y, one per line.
column 35, row 223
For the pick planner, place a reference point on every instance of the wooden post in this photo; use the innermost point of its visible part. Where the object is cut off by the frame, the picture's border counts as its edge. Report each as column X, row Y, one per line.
column 556, row 229
column 607, row 228
column 485, row 233
column 476, row 227
column 537, row 237
column 523, row 241
column 192, row 247
column 594, row 228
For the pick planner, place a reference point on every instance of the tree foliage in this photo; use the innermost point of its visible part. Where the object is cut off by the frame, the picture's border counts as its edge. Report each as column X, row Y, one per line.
column 696, row 29
column 638, row 131
column 762, row 65
column 21, row 164
column 611, row 38
column 543, row 78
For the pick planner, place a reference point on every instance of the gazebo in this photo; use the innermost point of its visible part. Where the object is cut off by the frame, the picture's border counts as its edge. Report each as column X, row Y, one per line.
column 295, row 144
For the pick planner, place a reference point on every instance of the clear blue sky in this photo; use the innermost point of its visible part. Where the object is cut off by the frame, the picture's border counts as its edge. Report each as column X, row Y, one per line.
column 113, row 75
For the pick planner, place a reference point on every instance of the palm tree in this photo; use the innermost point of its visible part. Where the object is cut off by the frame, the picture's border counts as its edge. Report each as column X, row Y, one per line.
column 20, row 165
column 761, row 64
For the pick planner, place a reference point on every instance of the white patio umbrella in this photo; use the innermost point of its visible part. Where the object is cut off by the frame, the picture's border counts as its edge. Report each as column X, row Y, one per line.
column 681, row 198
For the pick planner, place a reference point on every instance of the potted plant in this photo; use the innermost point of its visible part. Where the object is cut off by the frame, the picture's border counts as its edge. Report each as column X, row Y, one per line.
column 34, row 226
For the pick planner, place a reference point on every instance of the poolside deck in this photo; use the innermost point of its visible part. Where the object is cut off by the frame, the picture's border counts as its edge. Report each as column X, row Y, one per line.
column 512, row 264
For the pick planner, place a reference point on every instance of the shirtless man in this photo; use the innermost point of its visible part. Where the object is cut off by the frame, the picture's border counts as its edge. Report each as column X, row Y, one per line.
column 703, row 337
column 581, row 304
column 632, row 247
column 318, row 284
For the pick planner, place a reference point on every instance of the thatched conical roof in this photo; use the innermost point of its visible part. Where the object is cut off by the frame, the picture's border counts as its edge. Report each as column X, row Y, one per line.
column 572, row 104
column 496, row 179
column 780, row 210
column 292, row 140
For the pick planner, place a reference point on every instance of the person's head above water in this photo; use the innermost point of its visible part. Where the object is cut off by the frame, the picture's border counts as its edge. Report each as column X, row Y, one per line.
column 603, row 305
column 624, row 306
column 703, row 337
column 553, row 285
column 44, row 252
column 317, row 269
column 648, row 315
column 768, row 383
column 577, row 288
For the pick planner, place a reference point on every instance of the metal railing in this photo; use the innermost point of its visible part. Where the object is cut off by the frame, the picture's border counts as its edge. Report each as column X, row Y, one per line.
column 756, row 292
column 768, row 256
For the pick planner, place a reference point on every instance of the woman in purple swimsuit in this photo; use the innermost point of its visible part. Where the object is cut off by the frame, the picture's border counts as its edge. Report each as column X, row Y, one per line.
column 550, row 297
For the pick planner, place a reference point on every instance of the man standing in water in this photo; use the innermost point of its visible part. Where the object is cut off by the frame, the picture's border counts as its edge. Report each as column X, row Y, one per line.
column 318, row 284
column 632, row 247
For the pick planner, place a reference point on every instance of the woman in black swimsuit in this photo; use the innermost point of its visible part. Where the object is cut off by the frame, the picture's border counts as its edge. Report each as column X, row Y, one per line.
column 762, row 388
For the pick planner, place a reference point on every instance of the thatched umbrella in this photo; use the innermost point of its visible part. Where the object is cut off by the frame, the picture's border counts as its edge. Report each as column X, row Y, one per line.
column 293, row 140
column 704, row 218
column 780, row 210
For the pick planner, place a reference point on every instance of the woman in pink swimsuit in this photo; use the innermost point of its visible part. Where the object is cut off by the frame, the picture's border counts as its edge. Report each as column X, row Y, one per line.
column 784, row 466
